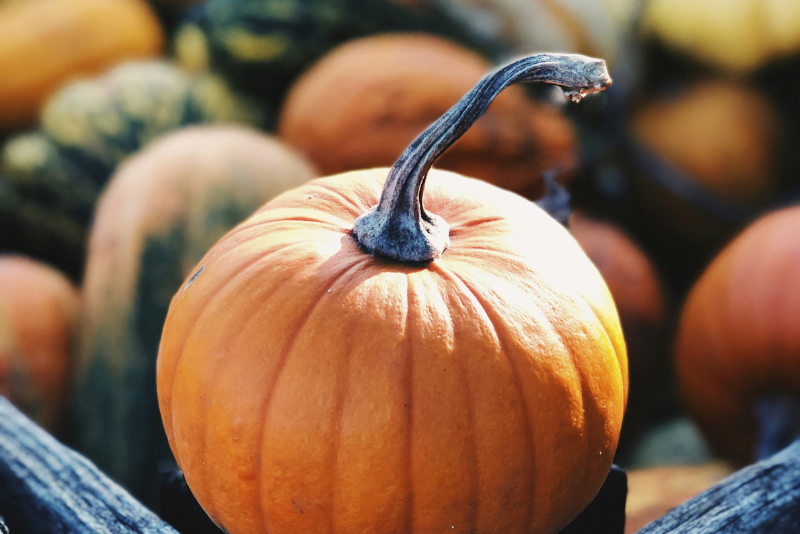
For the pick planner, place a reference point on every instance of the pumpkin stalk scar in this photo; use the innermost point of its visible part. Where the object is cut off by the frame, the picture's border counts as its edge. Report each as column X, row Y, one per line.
column 398, row 227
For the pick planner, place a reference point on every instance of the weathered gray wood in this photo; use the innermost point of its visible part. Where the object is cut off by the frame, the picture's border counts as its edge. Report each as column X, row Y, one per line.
column 49, row 489
column 761, row 498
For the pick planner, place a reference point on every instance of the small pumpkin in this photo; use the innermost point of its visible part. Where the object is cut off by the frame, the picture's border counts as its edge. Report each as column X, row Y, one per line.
column 365, row 101
column 333, row 364
column 723, row 134
column 38, row 317
column 734, row 35
column 45, row 43
column 261, row 47
column 637, row 289
column 162, row 210
column 105, row 119
column 737, row 339
column 702, row 163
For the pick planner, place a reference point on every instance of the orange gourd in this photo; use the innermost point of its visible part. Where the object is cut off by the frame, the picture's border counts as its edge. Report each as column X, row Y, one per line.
column 738, row 338
column 721, row 133
column 46, row 43
column 364, row 102
column 331, row 367
column 637, row 290
column 38, row 316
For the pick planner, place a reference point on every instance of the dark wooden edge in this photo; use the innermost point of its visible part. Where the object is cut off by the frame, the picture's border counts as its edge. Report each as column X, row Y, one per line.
column 761, row 498
column 47, row 488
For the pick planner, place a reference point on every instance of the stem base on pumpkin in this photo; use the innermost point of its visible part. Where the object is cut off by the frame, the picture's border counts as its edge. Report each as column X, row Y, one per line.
column 398, row 228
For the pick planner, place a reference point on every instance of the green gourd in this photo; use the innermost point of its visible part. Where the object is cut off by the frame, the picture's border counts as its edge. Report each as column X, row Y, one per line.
column 46, row 202
column 52, row 177
column 261, row 47
column 107, row 118
column 162, row 210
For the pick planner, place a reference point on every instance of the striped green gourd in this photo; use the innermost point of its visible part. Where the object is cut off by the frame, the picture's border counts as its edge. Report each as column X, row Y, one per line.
column 52, row 177
column 262, row 46
column 162, row 210
column 46, row 202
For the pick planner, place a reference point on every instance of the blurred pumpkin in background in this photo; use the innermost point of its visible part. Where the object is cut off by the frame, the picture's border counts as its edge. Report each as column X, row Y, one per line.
column 107, row 118
column 38, row 319
column 46, row 43
column 720, row 133
column 703, row 160
column 160, row 213
column 739, row 337
column 638, row 292
column 51, row 178
column 365, row 101
column 734, row 35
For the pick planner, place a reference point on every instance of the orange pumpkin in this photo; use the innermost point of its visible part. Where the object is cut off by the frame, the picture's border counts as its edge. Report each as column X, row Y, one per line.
column 331, row 367
column 46, row 43
column 721, row 133
column 164, row 207
column 738, row 337
column 364, row 102
column 637, row 290
column 38, row 314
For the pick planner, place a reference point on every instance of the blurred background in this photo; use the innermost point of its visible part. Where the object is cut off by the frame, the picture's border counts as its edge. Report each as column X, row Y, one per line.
column 133, row 135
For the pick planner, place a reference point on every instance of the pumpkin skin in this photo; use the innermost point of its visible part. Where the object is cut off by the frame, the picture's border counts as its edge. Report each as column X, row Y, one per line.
column 38, row 317
column 365, row 101
column 163, row 209
column 307, row 386
column 637, row 289
column 45, row 43
column 737, row 338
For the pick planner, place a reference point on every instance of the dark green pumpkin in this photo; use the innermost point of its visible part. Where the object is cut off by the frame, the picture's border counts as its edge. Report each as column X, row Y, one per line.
column 162, row 210
column 261, row 47
column 107, row 118
column 52, row 178
column 46, row 202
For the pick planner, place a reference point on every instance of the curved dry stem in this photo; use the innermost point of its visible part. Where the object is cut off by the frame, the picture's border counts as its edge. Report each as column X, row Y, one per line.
column 399, row 228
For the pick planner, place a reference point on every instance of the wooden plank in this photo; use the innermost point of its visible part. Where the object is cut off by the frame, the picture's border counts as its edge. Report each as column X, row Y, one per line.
column 761, row 498
column 47, row 488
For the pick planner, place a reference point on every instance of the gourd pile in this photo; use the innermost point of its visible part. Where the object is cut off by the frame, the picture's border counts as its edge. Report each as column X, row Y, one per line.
column 273, row 243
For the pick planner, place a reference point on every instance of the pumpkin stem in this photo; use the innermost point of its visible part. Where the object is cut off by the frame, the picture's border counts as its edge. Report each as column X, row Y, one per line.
column 399, row 228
